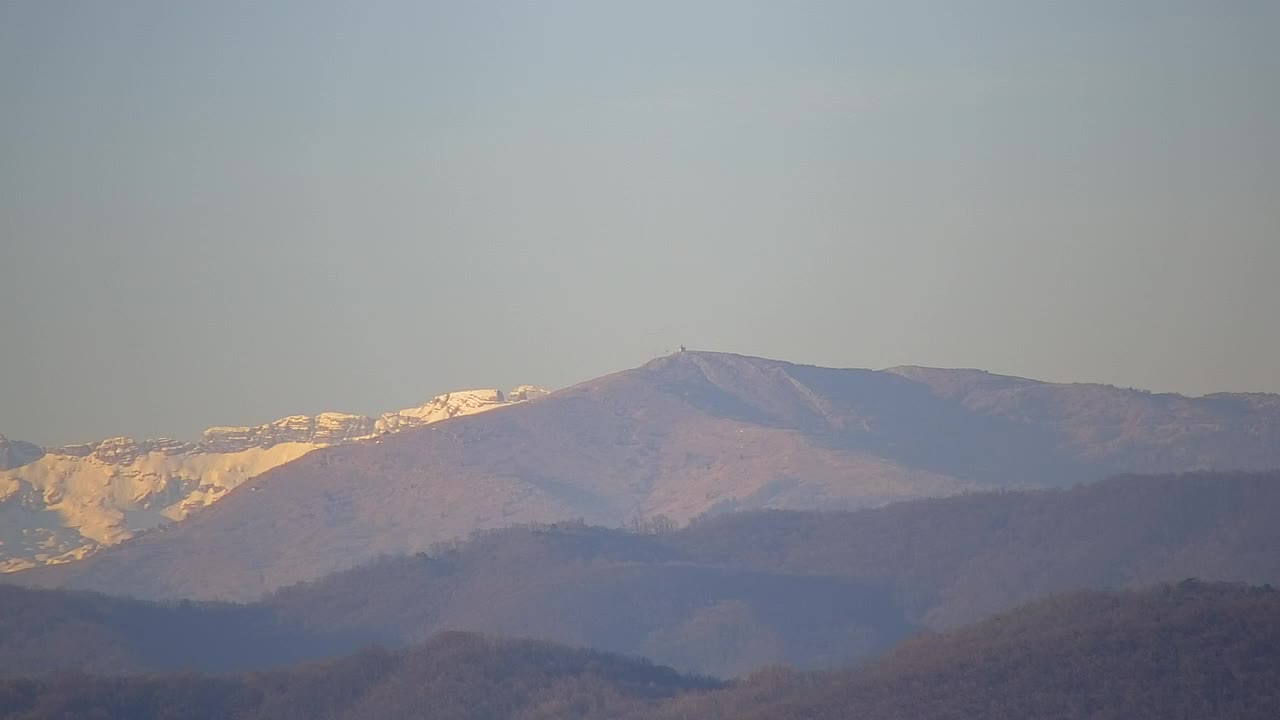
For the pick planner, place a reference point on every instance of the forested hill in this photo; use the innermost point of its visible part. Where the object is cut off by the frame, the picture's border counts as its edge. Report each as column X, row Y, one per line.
column 1190, row 650
column 956, row 560
column 1193, row 650
column 47, row 630
column 940, row 562
column 454, row 676
column 724, row 596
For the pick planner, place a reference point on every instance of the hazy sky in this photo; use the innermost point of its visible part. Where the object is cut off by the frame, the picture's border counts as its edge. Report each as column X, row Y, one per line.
column 224, row 212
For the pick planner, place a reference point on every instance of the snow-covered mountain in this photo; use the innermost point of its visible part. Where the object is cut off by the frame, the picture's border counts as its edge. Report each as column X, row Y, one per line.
column 64, row 503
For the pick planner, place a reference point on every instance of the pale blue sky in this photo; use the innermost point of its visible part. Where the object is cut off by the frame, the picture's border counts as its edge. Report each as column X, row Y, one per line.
column 225, row 212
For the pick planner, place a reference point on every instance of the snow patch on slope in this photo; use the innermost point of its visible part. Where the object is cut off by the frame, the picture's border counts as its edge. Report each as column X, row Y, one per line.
column 73, row 500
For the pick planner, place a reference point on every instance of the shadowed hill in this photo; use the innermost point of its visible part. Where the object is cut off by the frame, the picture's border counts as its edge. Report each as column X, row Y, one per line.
column 813, row 589
column 610, row 590
column 578, row 585
column 452, row 676
column 1187, row 650
column 684, row 435
column 47, row 630
column 1190, row 650
column 736, row 592
column 956, row 560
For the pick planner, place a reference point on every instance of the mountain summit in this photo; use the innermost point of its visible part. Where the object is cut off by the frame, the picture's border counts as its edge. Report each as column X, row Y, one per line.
column 684, row 435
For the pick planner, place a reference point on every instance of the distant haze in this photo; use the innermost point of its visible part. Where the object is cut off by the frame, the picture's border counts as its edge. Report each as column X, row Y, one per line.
column 220, row 213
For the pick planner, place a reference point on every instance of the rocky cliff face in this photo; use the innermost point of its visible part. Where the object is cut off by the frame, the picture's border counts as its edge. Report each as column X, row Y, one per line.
column 467, row 402
column 323, row 429
column 64, row 503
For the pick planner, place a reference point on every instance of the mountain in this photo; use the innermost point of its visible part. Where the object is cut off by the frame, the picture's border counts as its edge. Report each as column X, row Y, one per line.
column 14, row 453
column 810, row 589
column 65, row 503
column 1186, row 650
column 572, row 584
column 609, row 589
column 452, row 676
column 957, row 560
column 737, row 592
column 686, row 435
column 56, row 630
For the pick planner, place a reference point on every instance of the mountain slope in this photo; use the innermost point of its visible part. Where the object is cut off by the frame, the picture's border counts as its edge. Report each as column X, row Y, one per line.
column 579, row 585
column 454, row 675
column 14, row 453
column 1191, row 650
column 741, row 591
column 45, row 630
column 611, row 590
column 956, row 560
column 811, row 589
column 685, row 435
column 65, row 503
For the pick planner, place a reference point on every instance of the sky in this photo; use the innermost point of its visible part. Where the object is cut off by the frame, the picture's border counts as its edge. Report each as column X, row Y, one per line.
column 225, row 212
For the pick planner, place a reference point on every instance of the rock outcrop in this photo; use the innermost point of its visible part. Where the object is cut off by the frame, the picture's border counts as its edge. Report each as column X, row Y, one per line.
column 323, row 429
column 63, row 503
column 466, row 402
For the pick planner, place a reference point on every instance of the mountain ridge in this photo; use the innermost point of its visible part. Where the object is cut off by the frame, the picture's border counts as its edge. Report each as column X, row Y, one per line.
column 1191, row 649
column 685, row 435
column 1205, row 650
column 64, row 503
column 727, row 594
